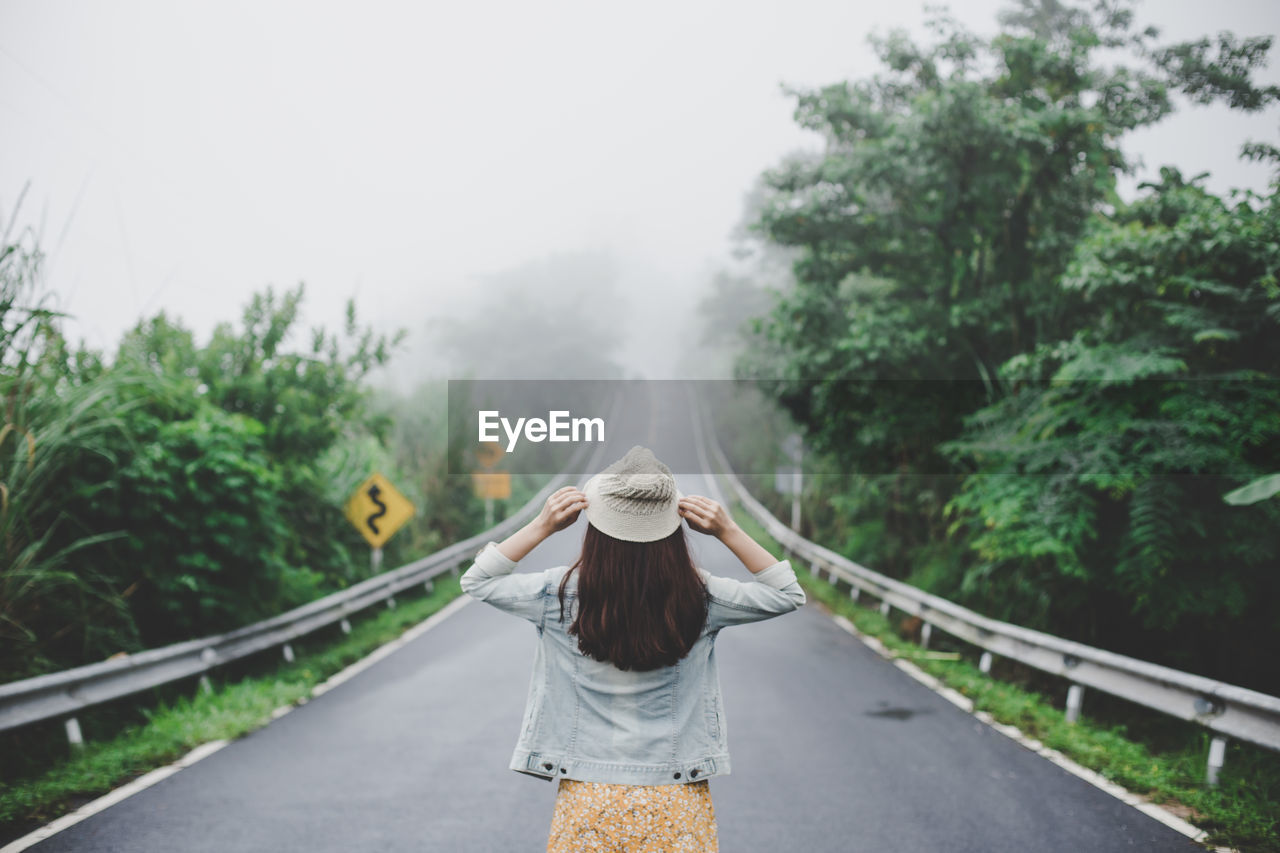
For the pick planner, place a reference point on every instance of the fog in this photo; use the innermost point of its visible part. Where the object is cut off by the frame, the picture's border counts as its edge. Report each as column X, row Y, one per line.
column 490, row 177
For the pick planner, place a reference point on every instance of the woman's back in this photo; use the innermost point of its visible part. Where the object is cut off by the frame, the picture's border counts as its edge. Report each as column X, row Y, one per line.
column 640, row 721
column 590, row 720
column 624, row 704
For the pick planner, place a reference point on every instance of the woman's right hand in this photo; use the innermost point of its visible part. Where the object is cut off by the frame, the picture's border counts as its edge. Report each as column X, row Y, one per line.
column 561, row 510
column 706, row 516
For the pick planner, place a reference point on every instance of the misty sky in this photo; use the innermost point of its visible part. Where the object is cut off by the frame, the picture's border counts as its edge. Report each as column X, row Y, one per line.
column 181, row 156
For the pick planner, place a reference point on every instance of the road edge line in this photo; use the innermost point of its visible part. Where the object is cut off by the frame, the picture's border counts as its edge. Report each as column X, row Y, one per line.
column 1150, row 809
column 208, row 748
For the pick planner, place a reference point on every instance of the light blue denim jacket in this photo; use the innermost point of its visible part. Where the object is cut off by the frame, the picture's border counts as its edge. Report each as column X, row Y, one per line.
column 590, row 721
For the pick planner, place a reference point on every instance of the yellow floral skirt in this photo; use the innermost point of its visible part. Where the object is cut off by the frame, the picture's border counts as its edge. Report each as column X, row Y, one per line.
column 590, row 816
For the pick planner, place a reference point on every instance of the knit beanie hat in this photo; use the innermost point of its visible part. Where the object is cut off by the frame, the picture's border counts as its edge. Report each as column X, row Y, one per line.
column 634, row 499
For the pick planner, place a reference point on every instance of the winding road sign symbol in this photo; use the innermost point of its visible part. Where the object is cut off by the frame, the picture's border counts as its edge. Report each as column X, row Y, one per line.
column 373, row 493
column 378, row 510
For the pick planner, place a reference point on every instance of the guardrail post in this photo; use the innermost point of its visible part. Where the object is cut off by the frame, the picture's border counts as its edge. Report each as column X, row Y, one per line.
column 429, row 587
column 984, row 662
column 834, row 577
column 926, row 631
column 1217, row 755
column 855, row 592
column 1075, row 698
column 884, row 608
column 345, row 626
column 206, row 686
column 391, row 602
column 287, row 651
column 74, row 738
column 813, row 570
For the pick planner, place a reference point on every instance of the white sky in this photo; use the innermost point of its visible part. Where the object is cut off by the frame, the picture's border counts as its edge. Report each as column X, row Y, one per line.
column 181, row 156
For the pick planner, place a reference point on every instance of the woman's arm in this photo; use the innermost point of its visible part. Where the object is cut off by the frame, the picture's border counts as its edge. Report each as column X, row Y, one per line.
column 560, row 511
column 707, row 516
column 490, row 577
column 774, row 590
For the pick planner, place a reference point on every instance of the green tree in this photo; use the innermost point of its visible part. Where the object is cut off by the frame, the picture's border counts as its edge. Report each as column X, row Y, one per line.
column 206, row 532
column 306, row 400
column 948, row 201
column 1098, row 483
column 178, row 491
column 962, row 224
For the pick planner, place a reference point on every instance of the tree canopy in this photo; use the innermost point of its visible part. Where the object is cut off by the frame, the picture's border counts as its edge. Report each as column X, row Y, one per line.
column 1059, row 385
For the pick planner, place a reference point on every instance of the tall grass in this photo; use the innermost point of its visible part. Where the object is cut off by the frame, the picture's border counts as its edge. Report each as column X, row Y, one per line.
column 59, row 410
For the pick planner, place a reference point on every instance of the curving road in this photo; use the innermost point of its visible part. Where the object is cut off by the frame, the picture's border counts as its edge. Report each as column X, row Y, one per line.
column 834, row 749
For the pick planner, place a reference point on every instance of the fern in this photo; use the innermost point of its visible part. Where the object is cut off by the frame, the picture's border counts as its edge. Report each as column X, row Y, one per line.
column 1147, row 550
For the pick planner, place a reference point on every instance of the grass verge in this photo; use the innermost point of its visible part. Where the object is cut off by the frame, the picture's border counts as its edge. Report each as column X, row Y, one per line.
column 173, row 728
column 1243, row 811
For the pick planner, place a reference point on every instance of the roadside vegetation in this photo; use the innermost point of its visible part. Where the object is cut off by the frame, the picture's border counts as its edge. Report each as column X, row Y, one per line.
column 1017, row 389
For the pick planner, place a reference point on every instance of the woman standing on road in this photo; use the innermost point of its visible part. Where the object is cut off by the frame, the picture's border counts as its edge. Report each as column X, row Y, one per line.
column 624, row 705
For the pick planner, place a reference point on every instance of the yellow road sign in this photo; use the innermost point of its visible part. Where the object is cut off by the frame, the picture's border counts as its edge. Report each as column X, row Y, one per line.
column 378, row 510
column 489, row 453
column 491, row 484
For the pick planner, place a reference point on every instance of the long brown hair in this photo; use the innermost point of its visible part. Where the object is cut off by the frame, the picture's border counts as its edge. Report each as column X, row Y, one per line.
column 641, row 605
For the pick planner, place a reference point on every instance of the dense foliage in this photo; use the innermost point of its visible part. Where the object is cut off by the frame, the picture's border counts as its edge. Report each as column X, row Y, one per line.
column 1109, row 369
column 1100, row 493
column 180, row 489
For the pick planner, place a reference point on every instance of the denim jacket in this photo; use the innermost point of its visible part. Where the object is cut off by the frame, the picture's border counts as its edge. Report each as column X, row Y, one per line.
column 588, row 720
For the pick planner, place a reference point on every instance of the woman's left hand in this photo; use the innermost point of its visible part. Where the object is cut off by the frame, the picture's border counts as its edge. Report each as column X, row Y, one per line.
column 561, row 509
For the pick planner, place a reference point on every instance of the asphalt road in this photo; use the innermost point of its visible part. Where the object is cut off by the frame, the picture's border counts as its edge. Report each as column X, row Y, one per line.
column 833, row 748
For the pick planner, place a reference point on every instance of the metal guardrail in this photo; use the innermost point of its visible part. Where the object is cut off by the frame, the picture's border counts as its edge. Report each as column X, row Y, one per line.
column 1225, row 709
column 64, row 693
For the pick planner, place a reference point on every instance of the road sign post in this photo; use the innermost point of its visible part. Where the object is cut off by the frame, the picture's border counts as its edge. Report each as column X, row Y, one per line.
column 787, row 479
column 487, row 483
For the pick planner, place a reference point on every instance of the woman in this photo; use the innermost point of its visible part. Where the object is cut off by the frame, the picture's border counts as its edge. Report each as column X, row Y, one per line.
column 624, row 705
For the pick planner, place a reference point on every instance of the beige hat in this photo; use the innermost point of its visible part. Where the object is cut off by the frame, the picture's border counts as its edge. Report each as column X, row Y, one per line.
column 634, row 499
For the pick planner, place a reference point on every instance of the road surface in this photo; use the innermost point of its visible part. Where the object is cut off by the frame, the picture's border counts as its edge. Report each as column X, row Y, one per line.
column 833, row 748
